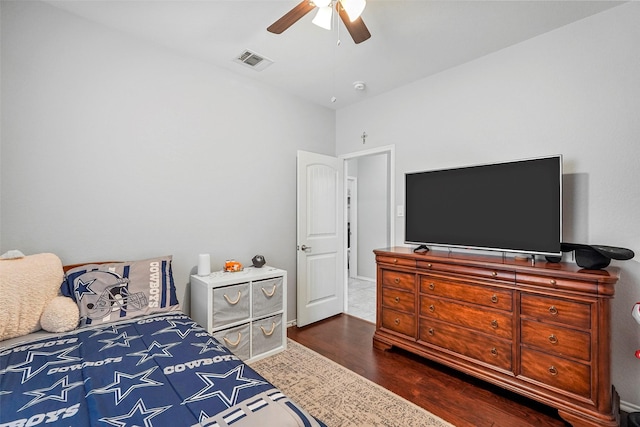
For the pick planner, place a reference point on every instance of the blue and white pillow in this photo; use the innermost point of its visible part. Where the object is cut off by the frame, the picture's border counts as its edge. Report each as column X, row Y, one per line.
column 120, row 290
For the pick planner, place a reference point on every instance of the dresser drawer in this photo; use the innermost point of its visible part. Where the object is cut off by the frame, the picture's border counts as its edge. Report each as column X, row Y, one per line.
column 230, row 304
column 556, row 282
column 399, row 322
column 554, row 371
column 558, row 310
column 483, row 295
column 398, row 279
column 267, row 296
column 266, row 334
column 237, row 340
column 381, row 259
column 487, row 349
column 556, row 339
column 398, row 300
column 488, row 273
column 494, row 323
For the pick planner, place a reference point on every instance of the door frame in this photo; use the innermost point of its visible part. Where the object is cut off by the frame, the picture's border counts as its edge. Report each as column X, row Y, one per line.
column 390, row 150
column 353, row 219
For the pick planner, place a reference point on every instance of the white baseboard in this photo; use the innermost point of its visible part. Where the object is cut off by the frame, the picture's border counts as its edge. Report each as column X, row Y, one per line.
column 291, row 323
column 364, row 279
column 629, row 407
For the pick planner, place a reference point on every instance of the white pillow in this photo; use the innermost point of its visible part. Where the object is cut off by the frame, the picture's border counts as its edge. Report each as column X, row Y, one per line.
column 26, row 286
column 60, row 315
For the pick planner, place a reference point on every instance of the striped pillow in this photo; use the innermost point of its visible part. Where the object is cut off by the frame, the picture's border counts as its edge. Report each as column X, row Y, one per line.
column 121, row 290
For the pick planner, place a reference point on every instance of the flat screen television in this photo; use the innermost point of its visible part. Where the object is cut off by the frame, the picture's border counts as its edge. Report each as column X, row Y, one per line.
column 510, row 206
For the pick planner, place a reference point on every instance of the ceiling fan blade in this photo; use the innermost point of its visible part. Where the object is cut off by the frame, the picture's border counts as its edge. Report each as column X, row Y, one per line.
column 291, row 17
column 359, row 32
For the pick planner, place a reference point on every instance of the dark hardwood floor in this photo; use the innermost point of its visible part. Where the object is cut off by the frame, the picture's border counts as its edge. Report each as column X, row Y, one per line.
column 458, row 398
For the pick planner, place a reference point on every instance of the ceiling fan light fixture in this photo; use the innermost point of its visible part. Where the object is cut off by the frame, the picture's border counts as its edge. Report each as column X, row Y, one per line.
column 354, row 8
column 323, row 17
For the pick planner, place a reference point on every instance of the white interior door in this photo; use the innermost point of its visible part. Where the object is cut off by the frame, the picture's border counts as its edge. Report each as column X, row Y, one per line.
column 320, row 259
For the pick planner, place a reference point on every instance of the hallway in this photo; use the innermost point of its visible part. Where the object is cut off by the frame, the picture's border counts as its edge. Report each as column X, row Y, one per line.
column 362, row 299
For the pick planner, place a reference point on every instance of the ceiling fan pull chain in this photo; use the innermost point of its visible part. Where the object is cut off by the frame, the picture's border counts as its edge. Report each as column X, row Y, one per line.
column 333, row 89
column 335, row 16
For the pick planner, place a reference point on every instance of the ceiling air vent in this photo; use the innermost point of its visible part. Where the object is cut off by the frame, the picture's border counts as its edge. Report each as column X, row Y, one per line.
column 253, row 60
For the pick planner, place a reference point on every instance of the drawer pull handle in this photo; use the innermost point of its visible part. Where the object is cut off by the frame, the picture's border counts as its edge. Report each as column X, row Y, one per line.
column 494, row 298
column 269, row 294
column 397, row 280
column 231, row 343
column 494, row 273
column 552, row 282
column 397, row 299
column 429, row 265
column 395, row 260
column 273, row 328
column 431, row 331
column 494, row 324
column 432, row 308
column 233, row 302
column 397, row 321
column 553, row 371
column 432, row 286
column 553, row 339
column 553, row 310
column 494, row 352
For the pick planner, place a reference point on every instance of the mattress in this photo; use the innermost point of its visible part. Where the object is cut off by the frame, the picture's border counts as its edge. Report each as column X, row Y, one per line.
column 157, row 370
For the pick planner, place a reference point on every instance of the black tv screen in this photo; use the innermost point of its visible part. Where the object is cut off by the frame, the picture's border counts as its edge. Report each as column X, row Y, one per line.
column 511, row 207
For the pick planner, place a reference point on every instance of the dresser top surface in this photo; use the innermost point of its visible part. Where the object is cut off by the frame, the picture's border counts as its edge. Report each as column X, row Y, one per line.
column 610, row 274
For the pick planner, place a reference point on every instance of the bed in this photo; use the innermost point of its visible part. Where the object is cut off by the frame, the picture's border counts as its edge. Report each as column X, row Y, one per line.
column 129, row 364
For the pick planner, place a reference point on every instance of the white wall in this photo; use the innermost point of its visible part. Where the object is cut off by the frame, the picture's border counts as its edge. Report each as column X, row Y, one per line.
column 113, row 148
column 573, row 91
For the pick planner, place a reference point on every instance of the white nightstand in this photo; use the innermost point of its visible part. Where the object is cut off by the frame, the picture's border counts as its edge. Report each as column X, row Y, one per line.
column 245, row 310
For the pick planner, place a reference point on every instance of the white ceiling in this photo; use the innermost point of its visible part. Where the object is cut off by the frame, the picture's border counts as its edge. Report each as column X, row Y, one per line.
column 410, row 39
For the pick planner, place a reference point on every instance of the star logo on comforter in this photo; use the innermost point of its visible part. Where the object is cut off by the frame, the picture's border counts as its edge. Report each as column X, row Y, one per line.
column 232, row 381
column 109, row 329
column 139, row 415
column 210, row 345
column 155, row 350
column 50, row 393
column 36, row 362
column 124, row 383
column 121, row 340
column 181, row 328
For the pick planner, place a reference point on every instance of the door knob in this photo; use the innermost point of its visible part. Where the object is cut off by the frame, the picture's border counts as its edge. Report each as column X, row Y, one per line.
column 305, row 247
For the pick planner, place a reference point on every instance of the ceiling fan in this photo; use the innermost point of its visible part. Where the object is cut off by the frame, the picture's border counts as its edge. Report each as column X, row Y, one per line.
column 348, row 10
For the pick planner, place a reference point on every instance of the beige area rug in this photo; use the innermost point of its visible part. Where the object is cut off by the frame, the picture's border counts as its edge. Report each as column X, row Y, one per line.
column 337, row 396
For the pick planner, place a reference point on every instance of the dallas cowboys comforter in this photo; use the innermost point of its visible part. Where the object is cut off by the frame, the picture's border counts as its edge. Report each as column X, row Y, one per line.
column 160, row 370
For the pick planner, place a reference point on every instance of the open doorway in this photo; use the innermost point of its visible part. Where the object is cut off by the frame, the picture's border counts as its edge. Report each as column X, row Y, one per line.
column 369, row 202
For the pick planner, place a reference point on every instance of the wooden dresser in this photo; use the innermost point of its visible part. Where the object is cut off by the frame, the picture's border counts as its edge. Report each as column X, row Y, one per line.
column 541, row 330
